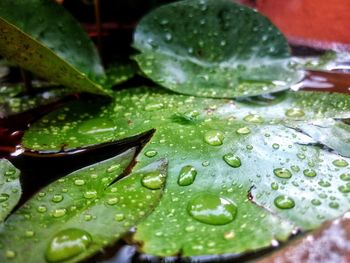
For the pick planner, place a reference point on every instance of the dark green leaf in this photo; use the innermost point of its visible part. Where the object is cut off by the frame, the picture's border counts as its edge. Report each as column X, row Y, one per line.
column 40, row 36
column 74, row 217
column 213, row 48
column 10, row 188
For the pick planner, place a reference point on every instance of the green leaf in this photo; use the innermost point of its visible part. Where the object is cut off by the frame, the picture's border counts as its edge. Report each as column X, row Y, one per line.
column 213, row 48
column 38, row 37
column 74, row 217
column 10, row 188
column 258, row 176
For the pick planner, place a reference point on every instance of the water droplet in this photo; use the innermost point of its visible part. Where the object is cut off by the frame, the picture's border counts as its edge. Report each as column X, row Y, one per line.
column 153, row 180
column 295, row 168
column 151, row 153
column 41, row 209
column 90, row 194
column 229, row 235
column 10, row 254
column 88, row 217
column 282, row 173
column 301, row 156
column 274, row 186
column 243, row 130
column 309, row 173
column 232, row 160
column 112, row 201
column 79, row 182
column 4, row 197
column 67, row 244
column 154, row 107
column 345, row 177
column 214, row 138
column 187, row 175
column 119, row 217
column 205, row 163
column 168, row 37
column 333, row 205
column 344, row 188
column 284, row 202
column 59, row 212
column 10, row 172
column 316, row 202
column 253, row 118
column 324, row 183
column 212, row 209
column 275, row 146
column 113, row 168
column 57, row 198
column 340, row 163
column 295, row 113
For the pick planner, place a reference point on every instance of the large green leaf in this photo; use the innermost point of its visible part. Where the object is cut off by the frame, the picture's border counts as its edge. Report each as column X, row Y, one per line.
column 213, row 48
column 40, row 36
column 74, row 217
column 10, row 188
column 236, row 168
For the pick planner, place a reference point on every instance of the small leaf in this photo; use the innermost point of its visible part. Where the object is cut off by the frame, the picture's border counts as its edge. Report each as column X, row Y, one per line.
column 213, row 48
column 74, row 217
column 38, row 37
column 10, row 188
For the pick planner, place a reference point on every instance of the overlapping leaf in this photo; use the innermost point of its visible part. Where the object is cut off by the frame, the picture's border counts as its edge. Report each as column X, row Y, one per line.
column 213, row 48
column 74, row 217
column 259, row 176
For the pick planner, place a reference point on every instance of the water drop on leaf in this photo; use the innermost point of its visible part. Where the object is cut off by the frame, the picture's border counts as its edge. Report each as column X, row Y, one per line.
column 232, row 160
column 284, row 202
column 153, row 180
column 214, row 138
column 282, row 173
column 187, row 175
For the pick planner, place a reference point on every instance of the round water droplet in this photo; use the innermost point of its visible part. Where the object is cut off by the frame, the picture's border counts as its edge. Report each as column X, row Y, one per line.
column 41, row 209
column 344, row 188
column 243, row 130
column 282, row 173
column 284, row 202
column 254, row 118
column 316, row 202
column 187, row 175
column 274, row 186
column 324, row 183
column 112, row 201
column 340, row 163
column 232, row 160
column 214, row 138
column 90, row 194
column 229, row 235
column 345, row 177
column 10, row 254
column 119, row 217
column 67, row 244
column 212, row 209
column 59, row 212
column 4, row 197
column 333, row 205
column 57, row 198
column 151, row 153
column 79, row 182
column 153, row 180
column 205, row 163
column 275, row 146
column 295, row 113
column 309, row 173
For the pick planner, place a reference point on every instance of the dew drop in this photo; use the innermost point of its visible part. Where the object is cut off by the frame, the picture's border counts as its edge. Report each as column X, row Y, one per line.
column 232, row 160
column 112, row 201
column 187, row 175
column 153, row 180
column 29, row 233
column 253, row 118
column 340, row 163
column 315, row 202
column 344, row 188
column 10, row 254
column 67, row 244
column 295, row 113
column 284, row 202
column 243, row 130
column 229, row 235
column 119, row 217
column 345, row 177
column 59, row 212
column 212, row 209
column 214, row 138
column 309, row 173
column 274, row 186
column 41, row 209
column 90, row 194
column 113, row 168
column 282, row 173
column 275, row 146
column 4, row 197
column 151, row 153
column 57, row 198
column 333, row 205
column 79, row 182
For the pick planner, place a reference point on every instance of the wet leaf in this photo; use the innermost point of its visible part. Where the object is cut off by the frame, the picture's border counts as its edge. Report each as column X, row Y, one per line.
column 38, row 37
column 10, row 188
column 74, row 217
column 213, row 48
column 258, row 176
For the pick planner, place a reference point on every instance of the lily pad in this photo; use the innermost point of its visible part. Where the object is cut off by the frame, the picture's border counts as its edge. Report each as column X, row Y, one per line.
column 38, row 37
column 74, row 217
column 10, row 188
column 213, row 48
column 260, row 177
